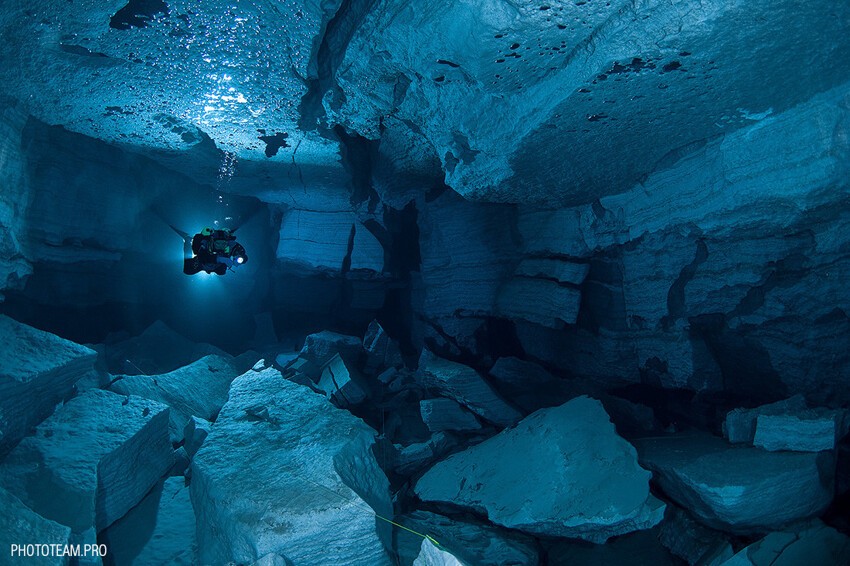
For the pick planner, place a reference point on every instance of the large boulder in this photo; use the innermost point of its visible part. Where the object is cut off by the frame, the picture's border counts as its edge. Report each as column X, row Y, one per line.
column 576, row 477
column 92, row 461
column 199, row 389
column 285, row 472
column 786, row 425
column 20, row 526
column 464, row 385
column 37, row 371
column 738, row 488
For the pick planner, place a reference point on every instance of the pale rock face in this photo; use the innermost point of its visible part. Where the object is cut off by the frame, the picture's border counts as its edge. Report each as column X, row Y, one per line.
column 273, row 477
column 324, row 241
column 467, row 387
column 589, row 483
column 37, row 371
column 92, row 461
column 746, row 227
column 165, row 82
column 738, row 488
column 786, row 425
column 20, row 525
column 515, row 114
column 431, row 555
column 197, row 390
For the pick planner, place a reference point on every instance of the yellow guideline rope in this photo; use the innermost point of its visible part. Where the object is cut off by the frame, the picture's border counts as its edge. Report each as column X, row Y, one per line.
column 429, row 537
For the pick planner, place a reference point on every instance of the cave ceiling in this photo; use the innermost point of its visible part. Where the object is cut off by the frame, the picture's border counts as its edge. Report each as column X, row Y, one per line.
column 548, row 103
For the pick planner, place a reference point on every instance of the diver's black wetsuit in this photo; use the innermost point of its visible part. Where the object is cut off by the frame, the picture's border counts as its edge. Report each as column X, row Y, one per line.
column 214, row 251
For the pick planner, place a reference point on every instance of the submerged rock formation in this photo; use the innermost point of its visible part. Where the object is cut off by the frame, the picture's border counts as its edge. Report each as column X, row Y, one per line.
column 735, row 488
column 274, row 476
column 92, row 461
column 37, row 371
column 587, row 480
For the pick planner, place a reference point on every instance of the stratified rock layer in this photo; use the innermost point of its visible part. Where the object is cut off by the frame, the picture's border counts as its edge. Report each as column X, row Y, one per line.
column 575, row 477
column 92, row 461
column 37, row 371
column 272, row 478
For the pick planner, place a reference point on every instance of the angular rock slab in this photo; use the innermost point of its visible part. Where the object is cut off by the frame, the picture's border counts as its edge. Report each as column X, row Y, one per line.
column 445, row 414
column 320, row 347
column 92, row 461
column 464, row 385
column 786, row 425
column 342, row 382
column 199, row 389
column 20, row 525
column 575, row 477
column 271, row 479
column 738, row 488
column 478, row 544
column 408, row 460
column 37, row 371
column 381, row 350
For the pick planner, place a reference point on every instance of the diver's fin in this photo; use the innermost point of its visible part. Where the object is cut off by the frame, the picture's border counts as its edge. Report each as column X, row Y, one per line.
column 180, row 233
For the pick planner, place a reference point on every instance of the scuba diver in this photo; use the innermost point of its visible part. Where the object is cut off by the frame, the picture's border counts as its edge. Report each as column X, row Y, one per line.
column 213, row 251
